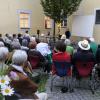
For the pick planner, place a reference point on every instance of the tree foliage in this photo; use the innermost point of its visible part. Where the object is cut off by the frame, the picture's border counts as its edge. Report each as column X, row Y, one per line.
column 59, row 9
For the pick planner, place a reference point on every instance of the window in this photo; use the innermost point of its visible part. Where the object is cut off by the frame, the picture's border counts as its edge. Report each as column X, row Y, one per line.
column 97, row 21
column 24, row 20
column 64, row 22
column 48, row 22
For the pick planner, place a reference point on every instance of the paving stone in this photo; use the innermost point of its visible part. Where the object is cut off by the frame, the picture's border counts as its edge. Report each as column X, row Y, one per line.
column 79, row 93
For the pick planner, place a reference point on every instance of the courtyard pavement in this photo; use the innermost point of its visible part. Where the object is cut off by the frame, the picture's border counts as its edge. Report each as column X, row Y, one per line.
column 82, row 93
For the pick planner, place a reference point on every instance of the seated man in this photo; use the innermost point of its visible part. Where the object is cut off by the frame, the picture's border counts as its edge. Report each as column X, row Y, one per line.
column 60, row 54
column 82, row 55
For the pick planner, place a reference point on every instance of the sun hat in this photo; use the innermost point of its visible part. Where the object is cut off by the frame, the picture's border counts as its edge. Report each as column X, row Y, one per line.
column 84, row 45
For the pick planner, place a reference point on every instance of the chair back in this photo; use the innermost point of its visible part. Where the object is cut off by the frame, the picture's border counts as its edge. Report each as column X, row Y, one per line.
column 84, row 68
column 62, row 67
column 34, row 61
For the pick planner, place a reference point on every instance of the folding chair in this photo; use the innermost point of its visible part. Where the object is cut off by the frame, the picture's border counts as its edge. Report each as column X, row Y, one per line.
column 62, row 70
column 85, row 70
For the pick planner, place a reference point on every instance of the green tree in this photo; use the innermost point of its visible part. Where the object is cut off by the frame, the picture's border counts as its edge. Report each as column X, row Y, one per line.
column 59, row 9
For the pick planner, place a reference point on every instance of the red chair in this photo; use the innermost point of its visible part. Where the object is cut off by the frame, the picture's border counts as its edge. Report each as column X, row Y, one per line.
column 85, row 70
column 35, row 58
column 62, row 70
column 34, row 61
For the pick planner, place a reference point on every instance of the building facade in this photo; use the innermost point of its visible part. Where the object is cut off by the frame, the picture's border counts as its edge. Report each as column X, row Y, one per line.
column 16, row 16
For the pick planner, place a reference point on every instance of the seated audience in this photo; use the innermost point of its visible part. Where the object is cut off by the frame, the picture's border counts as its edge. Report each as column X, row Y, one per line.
column 24, row 87
column 83, row 54
column 34, row 56
column 44, row 49
column 60, row 54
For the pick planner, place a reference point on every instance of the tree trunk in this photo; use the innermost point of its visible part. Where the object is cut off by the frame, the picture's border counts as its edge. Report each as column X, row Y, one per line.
column 54, row 27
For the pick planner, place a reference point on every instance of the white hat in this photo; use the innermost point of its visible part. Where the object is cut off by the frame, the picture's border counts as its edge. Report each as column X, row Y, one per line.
column 84, row 45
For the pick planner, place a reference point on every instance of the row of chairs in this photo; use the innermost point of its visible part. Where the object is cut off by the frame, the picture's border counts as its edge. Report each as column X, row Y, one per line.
column 83, row 70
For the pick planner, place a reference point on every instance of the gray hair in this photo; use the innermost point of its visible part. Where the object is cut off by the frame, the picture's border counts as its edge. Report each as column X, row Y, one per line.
column 15, row 45
column 24, row 42
column 19, row 57
column 1, row 44
column 3, row 53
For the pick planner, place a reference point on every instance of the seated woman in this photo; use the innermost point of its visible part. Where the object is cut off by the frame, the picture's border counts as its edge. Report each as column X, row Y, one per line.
column 35, row 58
column 24, row 87
column 44, row 49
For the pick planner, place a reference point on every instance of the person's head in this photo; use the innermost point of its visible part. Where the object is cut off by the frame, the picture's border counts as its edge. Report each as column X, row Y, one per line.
column 67, row 42
column 14, row 35
column 19, row 57
column 1, row 44
column 19, row 35
column 24, row 42
column 7, row 35
column 15, row 45
column 3, row 54
column 32, row 45
column 60, row 46
column 0, row 35
column 26, row 31
column 84, row 45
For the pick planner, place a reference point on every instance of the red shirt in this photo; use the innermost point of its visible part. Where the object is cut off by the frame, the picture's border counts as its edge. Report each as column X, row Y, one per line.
column 60, row 56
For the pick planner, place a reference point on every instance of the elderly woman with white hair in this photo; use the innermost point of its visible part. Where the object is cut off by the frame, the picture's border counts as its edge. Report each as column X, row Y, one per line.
column 3, row 56
column 24, row 87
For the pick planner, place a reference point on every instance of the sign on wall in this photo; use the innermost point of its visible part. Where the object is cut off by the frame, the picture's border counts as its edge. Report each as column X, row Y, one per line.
column 83, row 25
